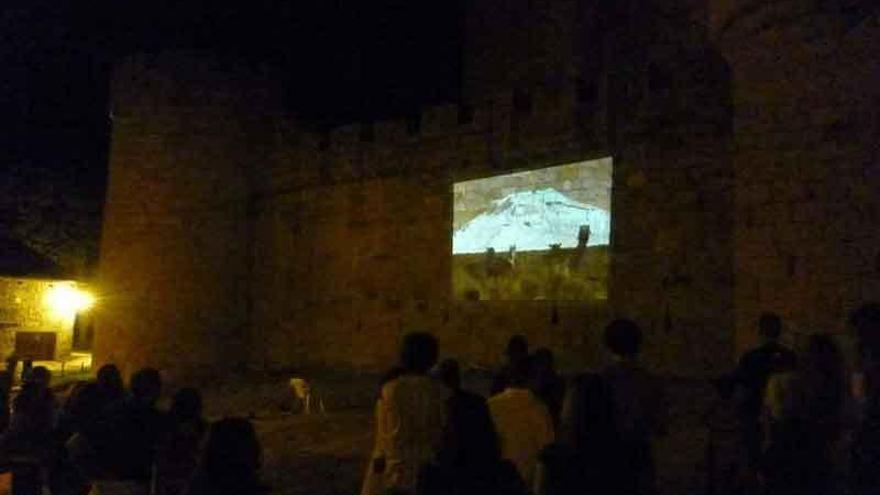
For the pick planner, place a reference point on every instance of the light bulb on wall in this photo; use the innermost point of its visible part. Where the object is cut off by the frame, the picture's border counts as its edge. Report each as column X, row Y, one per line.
column 65, row 301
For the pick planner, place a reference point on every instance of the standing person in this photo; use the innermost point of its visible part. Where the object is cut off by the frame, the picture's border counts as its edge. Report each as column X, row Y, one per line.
column 28, row 441
column 726, row 460
column 79, row 416
column 230, row 463
column 517, row 350
column 753, row 372
column 179, row 451
column 5, row 389
column 130, row 435
column 470, row 438
column 413, row 412
column 638, row 412
column 865, row 455
column 469, row 460
column 579, row 459
column 804, row 409
column 546, row 383
column 523, row 423
column 110, row 385
column 373, row 480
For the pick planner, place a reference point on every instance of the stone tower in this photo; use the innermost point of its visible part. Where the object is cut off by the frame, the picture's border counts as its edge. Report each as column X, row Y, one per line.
column 187, row 133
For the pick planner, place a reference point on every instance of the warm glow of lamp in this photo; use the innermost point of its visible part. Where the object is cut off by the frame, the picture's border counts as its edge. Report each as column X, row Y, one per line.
column 66, row 301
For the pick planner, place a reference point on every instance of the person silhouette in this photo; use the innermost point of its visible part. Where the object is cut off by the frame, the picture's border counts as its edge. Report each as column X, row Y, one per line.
column 804, row 409
column 230, row 463
column 130, row 435
column 638, row 412
column 469, row 460
column 413, row 410
column 517, row 350
column 178, row 451
column 752, row 374
column 865, row 451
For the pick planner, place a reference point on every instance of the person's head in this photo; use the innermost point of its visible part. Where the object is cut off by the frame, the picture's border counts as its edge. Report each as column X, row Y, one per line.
column 39, row 377
column 623, row 338
column 418, row 352
column 517, row 348
column 186, row 404
column 448, row 372
column 110, row 380
column 232, row 449
column 865, row 321
column 542, row 360
column 770, row 326
column 146, row 386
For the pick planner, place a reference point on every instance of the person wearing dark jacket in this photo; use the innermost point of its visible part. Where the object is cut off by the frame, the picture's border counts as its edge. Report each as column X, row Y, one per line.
column 230, row 463
column 638, row 412
column 469, row 459
column 865, row 454
column 546, row 383
column 130, row 434
column 179, row 450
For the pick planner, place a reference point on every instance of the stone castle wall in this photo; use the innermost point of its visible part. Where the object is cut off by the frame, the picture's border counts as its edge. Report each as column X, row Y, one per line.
column 233, row 236
column 805, row 93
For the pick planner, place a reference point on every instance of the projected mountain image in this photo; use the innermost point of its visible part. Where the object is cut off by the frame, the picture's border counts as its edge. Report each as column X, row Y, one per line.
column 542, row 234
column 533, row 221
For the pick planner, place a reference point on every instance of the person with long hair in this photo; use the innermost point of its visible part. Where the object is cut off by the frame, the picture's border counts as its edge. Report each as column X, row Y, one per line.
column 230, row 463
column 179, row 450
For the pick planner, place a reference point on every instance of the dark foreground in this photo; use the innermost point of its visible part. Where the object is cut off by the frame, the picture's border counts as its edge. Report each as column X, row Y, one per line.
column 326, row 454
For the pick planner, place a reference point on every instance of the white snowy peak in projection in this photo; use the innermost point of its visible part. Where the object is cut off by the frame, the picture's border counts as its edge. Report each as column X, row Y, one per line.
column 532, row 221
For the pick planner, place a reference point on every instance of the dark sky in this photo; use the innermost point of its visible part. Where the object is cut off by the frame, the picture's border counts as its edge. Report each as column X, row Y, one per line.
column 341, row 61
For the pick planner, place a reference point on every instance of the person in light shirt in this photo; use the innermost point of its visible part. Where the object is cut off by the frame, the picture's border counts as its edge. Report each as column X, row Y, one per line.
column 412, row 413
column 522, row 421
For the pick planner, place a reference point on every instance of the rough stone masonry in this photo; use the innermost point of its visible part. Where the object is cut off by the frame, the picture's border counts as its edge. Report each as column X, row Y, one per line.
column 745, row 179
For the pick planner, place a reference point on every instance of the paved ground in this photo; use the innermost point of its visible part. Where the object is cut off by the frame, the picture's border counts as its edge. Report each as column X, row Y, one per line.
column 326, row 454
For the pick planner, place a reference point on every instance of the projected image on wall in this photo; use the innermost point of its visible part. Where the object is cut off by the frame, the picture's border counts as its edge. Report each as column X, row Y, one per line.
column 541, row 234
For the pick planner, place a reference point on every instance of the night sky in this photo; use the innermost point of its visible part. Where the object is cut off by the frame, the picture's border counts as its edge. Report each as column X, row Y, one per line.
column 343, row 61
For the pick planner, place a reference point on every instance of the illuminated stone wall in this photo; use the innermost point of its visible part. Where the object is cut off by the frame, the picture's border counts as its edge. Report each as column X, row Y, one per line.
column 23, row 308
column 744, row 180
column 805, row 93
column 175, row 265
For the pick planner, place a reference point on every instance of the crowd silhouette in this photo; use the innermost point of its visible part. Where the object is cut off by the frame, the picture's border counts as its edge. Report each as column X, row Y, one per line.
column 781, row 422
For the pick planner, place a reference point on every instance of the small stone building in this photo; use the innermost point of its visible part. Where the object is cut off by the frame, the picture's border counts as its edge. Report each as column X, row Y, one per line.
column 37, row 305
